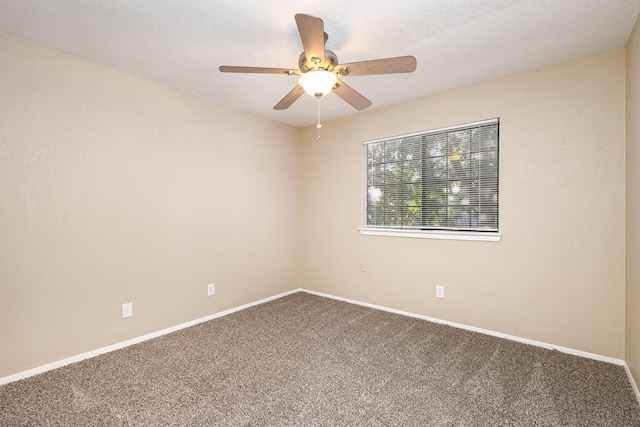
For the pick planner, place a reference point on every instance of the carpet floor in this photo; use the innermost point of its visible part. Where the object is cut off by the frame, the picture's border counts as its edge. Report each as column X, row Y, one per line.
column 304, row 360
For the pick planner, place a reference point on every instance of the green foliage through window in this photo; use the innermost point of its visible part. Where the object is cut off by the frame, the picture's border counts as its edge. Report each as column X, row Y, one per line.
column 445, row 179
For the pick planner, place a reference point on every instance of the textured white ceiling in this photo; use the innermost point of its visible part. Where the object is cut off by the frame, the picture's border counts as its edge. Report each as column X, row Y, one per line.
column 181, row 43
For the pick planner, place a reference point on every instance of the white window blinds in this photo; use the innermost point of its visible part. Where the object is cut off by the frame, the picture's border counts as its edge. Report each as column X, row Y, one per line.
column 444, row 179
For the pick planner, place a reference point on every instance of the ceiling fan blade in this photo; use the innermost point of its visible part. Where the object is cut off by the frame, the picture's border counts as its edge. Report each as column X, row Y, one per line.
column 311, row 31
column 400, row 64
column 350, row 95
column 261, row 70
column 290, row 98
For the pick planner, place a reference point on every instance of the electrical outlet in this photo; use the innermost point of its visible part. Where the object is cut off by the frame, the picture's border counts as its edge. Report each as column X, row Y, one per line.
column 440, row 291
column 127, row 310
column 211, row 289
column 363, row 267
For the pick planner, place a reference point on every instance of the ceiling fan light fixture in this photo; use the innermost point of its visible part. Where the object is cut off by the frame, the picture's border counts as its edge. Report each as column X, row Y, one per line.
column 318, row 83
column 319, row 68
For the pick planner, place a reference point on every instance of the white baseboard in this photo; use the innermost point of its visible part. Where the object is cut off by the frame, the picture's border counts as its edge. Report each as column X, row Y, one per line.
column 632, row 381
column 117, row 346
column 480, row 330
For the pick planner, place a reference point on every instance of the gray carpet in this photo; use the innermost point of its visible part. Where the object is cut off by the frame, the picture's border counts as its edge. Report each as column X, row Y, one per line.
column 304, row 360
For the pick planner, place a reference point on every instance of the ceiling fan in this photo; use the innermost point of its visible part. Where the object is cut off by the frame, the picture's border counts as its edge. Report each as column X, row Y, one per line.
column 320, row 72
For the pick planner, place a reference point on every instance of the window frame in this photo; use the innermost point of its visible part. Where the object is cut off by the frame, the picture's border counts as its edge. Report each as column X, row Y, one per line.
column 428, row 233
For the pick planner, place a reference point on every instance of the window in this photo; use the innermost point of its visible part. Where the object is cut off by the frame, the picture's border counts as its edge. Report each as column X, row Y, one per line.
column 440, row 183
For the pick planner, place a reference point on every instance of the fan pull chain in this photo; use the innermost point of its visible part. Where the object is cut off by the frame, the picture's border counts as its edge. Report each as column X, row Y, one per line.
column 318, row 125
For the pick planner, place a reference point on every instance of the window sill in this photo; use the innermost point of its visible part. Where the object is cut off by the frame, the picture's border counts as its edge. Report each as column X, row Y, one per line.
column 442, row 235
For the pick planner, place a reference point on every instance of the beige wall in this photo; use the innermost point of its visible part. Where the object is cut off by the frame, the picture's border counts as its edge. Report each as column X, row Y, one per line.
column 114, row 189
column 632, row 355
column 557, row 275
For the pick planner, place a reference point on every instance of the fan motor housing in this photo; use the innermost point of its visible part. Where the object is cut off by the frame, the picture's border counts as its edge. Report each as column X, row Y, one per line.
column 330, row 61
